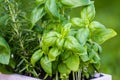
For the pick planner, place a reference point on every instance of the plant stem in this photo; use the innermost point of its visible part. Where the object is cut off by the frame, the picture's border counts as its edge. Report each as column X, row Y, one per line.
column 79, row 75
column 15, row 25
column 76, row 76
column 57, row 76
column 13, row 16
column 45, row 77
column 73, row 75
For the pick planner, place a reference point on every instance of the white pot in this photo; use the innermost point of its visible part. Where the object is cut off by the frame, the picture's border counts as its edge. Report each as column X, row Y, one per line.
column 15, row 77
column 103, row 77
column 22, row 77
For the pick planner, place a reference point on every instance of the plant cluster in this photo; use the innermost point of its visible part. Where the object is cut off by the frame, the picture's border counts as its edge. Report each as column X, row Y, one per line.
column 55, row 42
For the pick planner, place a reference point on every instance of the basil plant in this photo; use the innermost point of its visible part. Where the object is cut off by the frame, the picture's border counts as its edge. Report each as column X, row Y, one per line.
column 69, row 45
column 65, row 47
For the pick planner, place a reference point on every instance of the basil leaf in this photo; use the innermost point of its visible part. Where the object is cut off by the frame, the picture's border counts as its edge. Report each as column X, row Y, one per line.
column 50, row 38
column 96, row 25
column 36, row 15
column 66, row 29
column 73, row 62
column 53, row 53
column 36, row 56
column 49, row 41
column 60, row 43
column 65, row 54
column 82, row 35
column 101, row 35
column 72, row 32
column 45, row 48
column 54, row 67
column 46, row 65
column 84, row 56
column 78, row 22
column 88, row 12
column 63, row 69
column 72, row 44
column 97, row 47
column 40, row 1
column 96, row 58
column 92, row 54
column 96, row 66
column 75, row 3
column 4, row 51
column 51, row 8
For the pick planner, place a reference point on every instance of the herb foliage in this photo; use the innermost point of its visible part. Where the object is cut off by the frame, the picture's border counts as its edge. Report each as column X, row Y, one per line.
column 50, row 40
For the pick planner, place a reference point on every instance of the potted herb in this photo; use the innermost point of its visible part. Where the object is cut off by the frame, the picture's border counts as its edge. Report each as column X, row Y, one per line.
column 51, row 44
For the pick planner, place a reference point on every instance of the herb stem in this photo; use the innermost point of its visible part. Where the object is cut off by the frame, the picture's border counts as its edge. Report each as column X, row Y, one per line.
column 73, row 75
column 15, row 25
column 57, row 76
column 13, row 16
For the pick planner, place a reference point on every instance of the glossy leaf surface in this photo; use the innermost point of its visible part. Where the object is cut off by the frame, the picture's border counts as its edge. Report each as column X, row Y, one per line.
column 4, row 51
column 75, row 3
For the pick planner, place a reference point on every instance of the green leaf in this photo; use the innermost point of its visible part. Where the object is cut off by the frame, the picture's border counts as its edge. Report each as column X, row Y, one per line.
column 54, row 67
column 60, row 42
column 97, row 47
column 66, row 29
column 96, row 58
column 65, row 54
column 84, row 56
column 96, row 25
column 75, row 3
column 36, row 15
column 38, row 29
column 46, row 65
column 49, row 41
column 40, row 1
column 92, row 54
column 53, row 53
column 78, row 22
column 73, row 62
column 50, row 38
column 36, row 56
column 45, row 48
column 88, row 12
column 101, row 35
column 63, row 69
column 51, row 8
column 73, row 31
column 91, row 70
column 82, row 35
column 97, row 66
column 71, row 43
column 4, row 51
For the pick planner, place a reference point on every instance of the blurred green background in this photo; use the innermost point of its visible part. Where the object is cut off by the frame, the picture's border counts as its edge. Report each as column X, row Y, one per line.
column 108, row 13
